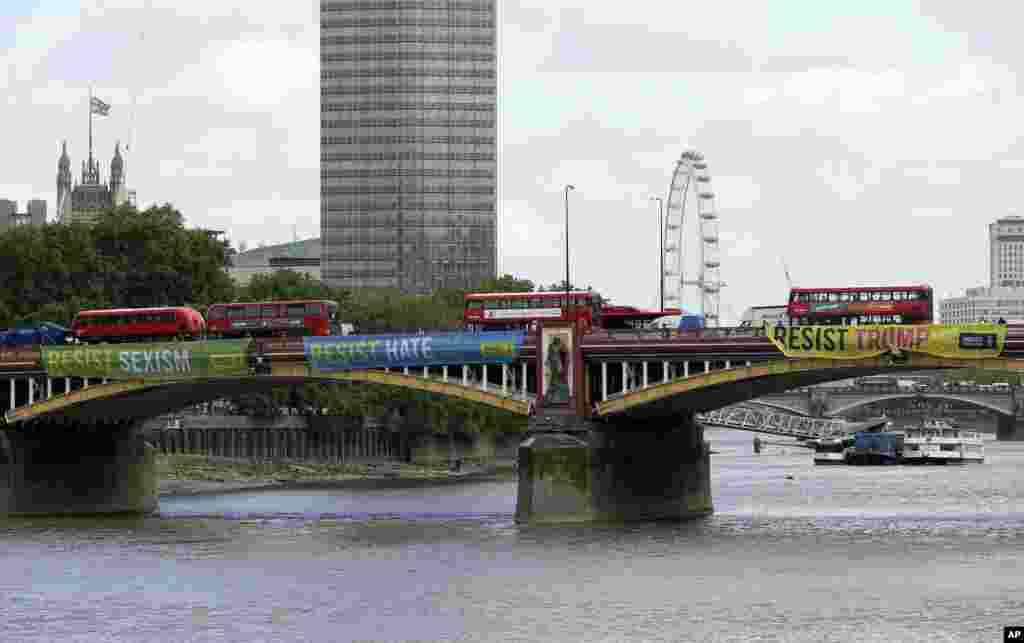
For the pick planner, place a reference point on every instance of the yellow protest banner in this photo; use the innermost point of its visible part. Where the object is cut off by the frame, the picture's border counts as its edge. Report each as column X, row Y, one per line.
column 963, row 341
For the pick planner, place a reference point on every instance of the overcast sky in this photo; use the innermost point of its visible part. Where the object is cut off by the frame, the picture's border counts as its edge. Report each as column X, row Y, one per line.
column 861, row 142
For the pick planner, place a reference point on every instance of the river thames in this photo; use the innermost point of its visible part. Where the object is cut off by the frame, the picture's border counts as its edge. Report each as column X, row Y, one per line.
column 794, row 552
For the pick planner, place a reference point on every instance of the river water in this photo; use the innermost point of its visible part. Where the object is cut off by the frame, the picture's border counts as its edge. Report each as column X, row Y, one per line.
column 794, row 552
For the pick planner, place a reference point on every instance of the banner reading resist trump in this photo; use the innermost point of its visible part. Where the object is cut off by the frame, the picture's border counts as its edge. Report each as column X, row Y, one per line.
column 967, row 341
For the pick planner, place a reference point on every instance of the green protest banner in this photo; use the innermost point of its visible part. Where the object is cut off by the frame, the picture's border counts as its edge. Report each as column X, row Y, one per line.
column 169, row 360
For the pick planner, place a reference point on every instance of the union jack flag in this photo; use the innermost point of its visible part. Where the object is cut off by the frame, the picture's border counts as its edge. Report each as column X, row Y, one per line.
column 98, row 106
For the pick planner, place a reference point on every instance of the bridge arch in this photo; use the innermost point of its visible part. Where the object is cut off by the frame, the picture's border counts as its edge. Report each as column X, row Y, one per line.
column 716, row 389
column 984, row 404
column 139, row 399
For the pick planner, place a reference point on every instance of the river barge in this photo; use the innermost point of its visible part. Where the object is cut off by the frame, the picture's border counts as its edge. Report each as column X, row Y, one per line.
column 940, row 442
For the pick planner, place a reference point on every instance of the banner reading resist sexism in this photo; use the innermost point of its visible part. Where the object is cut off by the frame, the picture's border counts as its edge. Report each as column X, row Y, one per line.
column 968, row 341
column 175, row 360
column 326, row 354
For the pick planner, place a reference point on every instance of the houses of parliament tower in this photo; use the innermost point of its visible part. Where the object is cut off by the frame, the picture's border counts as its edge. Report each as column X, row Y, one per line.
column 91, row 196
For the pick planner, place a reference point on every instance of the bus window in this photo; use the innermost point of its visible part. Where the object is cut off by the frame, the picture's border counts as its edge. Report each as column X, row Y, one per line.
column 474, row 305
column 236, row 312
column 490, row 304
column 519, row 303
column 252, row 310
column 314, row 310
column 296, row 311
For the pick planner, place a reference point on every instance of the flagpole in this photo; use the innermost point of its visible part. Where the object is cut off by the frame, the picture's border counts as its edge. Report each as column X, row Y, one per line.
column 90, row 129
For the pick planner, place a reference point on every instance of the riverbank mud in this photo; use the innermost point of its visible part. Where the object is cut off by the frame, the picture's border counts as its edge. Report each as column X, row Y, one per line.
column 183, row 475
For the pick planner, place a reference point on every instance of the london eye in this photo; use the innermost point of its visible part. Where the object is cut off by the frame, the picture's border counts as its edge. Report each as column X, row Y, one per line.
column 691, row 204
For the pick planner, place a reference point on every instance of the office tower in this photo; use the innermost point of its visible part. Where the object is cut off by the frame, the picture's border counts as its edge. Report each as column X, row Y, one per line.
column 1006, row 252
column 408, row 143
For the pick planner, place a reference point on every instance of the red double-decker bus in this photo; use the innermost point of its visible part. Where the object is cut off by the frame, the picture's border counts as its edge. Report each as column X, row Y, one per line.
column 504, row 311
column 861, row 305
column 510, row 310
column 138, row 324
column 274, row 318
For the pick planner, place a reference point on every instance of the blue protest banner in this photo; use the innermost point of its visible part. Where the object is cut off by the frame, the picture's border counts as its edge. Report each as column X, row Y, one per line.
column 342, row 353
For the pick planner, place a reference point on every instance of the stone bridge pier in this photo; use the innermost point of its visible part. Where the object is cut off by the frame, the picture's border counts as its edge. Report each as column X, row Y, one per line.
column 50, row 469
column 614, row 472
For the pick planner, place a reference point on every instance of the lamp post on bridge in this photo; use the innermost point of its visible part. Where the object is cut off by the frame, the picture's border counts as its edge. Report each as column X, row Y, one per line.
column 567, row 188
column 661, row 253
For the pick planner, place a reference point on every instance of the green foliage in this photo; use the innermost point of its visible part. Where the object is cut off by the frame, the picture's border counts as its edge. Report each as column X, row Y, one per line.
column 286, row 284
column 506, row 283
column 129, row 258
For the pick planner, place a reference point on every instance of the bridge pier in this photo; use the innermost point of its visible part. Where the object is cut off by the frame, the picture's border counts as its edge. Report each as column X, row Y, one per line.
column 636, row 471
column 68, row 470
column 1010, row 428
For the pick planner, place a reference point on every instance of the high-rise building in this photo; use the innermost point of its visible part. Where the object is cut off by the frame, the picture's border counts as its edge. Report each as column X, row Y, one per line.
column 1004, row 296
column 408, row 143
column 1006, row 252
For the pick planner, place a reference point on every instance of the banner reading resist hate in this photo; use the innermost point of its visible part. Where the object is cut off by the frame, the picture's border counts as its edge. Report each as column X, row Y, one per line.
column 176, row 360
column 968, row 341
column 327, row 354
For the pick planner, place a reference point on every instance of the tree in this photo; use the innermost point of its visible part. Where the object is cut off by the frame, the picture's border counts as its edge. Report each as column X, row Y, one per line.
column 285, row 284
column 559, row 286
column 129, row 258
column 506, row 283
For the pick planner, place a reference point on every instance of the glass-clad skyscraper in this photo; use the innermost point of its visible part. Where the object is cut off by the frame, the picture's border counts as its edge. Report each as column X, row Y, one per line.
column 408, row 143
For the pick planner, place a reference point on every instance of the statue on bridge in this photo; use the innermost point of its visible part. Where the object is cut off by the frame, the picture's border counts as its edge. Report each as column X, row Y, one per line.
column 557, row 375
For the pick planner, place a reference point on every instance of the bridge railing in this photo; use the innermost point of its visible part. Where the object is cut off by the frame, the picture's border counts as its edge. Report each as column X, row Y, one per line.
column 634, row 376
column 694, row 333
column 513, row 382
column 510, row 381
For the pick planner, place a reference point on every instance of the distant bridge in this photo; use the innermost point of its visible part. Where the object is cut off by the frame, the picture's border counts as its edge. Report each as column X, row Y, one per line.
column 830, row 402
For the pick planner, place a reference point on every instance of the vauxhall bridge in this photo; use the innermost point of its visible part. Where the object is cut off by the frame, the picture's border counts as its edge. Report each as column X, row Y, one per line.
column 612, row 417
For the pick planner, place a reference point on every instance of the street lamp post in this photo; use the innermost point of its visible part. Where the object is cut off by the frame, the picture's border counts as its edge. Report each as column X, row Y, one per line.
column 661, row 253
column 567, row 188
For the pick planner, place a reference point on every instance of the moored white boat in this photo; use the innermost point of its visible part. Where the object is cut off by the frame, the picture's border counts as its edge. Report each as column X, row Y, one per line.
column 830, row 451
column 939, row 442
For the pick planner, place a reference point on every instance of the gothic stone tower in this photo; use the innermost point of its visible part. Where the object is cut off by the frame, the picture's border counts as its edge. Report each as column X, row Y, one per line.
column 63, row 184
column 91, row 197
